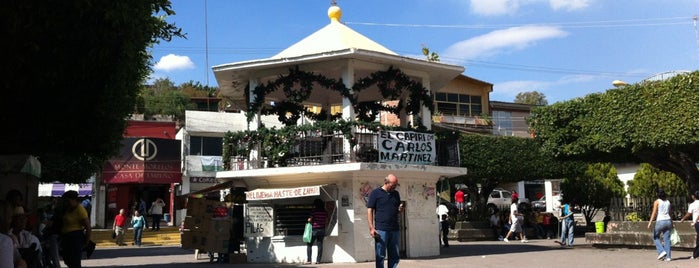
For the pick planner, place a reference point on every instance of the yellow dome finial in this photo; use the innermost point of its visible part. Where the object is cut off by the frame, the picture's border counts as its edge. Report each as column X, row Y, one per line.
column 334, row 12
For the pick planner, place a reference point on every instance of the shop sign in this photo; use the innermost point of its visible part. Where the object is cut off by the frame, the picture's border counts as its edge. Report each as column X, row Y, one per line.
column 407, row 147
column 202, row 179
column 267, row 194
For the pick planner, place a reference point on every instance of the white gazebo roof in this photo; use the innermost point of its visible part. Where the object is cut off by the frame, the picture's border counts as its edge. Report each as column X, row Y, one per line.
column 326, row 50
column 335, row 36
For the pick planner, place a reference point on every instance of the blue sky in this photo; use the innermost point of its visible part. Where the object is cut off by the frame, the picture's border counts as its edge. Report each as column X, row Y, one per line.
column 562, row 48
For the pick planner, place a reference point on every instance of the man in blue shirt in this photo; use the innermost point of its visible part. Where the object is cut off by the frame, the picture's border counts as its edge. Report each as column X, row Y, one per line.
column 383, row 207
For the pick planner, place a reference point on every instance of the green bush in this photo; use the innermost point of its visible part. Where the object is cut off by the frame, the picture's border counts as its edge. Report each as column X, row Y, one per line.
column 634, row 216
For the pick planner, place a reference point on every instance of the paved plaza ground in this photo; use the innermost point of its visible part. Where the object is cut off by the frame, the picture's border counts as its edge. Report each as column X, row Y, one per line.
column 536, row 253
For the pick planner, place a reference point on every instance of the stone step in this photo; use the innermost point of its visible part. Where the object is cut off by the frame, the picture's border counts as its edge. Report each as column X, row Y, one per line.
column 644, row 239
column 167, row 236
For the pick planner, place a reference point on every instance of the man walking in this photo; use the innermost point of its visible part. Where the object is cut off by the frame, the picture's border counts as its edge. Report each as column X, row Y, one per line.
column 567, row 226
column 383, row 207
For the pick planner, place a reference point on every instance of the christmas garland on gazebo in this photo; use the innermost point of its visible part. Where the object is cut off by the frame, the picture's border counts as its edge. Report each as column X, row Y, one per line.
column 298, row 85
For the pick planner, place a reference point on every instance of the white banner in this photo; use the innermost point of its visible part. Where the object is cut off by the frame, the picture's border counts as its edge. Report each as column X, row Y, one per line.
column 407, row 147
column 266, row 194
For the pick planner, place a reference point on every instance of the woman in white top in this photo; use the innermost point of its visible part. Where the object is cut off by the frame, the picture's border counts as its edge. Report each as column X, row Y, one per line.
column 663, row 225
column 693, row 211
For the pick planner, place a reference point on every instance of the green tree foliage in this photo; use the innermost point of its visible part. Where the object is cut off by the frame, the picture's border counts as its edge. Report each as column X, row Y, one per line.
column 164, row 98
column 532, row 98
column 430, row 55
column 594, row 189
column 492, row 160
column 71, row 73
column 653, row 122
column 648, row 180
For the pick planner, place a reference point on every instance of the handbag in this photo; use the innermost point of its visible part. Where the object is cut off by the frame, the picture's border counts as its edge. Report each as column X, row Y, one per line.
column 113, row 235
column 308, row 233
column 674, row 237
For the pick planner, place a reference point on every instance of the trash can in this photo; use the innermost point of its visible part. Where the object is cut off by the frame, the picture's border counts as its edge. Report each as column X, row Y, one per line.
column 599, row 227
column 166, row 217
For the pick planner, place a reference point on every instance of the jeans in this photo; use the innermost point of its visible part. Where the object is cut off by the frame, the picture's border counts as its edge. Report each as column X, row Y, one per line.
column 567, row 230
column 137, row 234
column 662, row 227
column 318, row 235
column 72, row 247
column 387, row 241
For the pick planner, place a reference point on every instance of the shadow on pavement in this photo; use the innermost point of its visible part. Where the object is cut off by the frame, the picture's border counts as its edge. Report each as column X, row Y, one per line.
column 493, row 249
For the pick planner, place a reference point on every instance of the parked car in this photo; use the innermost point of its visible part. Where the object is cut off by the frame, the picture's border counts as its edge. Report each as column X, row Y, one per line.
column 502, row 199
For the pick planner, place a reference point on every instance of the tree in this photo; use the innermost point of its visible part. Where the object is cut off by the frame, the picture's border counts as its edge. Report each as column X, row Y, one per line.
column 492, row 160
column 532, row 98
column 431, row 56
column 653, row 122
column 593, row 189
column 72, row 71
column 648, row 180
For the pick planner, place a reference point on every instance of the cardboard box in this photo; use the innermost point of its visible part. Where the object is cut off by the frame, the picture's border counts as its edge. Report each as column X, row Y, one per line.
column 194, row 240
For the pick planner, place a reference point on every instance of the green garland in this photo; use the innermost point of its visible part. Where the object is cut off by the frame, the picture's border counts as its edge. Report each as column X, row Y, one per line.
column 297, row 85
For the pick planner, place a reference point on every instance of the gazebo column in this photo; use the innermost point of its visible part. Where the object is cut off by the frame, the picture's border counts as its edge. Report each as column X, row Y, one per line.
column 348, row 110
column 426, row 115
column 254, row 125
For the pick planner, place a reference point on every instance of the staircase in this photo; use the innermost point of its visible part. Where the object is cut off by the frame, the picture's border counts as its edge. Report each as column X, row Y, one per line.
column 167, row 236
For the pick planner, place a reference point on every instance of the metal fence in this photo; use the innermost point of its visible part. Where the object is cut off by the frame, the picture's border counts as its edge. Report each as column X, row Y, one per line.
column 619, row 208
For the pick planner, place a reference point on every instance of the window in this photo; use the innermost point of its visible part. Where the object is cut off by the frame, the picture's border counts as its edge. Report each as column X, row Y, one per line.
column 205, row 145
column 458, row 104
column 502, row 123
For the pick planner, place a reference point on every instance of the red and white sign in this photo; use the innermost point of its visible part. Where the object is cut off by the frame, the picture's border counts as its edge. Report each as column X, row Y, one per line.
column 267, row 194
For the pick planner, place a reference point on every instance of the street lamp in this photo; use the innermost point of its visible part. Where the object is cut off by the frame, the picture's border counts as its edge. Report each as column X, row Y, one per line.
column 619, row 83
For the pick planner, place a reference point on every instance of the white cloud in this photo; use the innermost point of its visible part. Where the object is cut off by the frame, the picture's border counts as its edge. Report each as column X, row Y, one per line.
column 569, row 5
column 172, row 62
column 501, row 41
column 494, row 7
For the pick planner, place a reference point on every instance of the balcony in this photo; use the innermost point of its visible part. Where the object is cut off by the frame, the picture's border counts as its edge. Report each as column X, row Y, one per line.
column 298, row 146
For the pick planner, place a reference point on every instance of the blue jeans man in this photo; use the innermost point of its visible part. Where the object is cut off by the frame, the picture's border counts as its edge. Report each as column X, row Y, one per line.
column 567, row 230
column 387, row 241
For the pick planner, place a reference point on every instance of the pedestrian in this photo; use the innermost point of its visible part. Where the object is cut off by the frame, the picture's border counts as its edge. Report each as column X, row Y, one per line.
column 138, row 223
column 9, row 254
column 119, row 227
column 16, row 200
column 87, row 204
column 156, row 213
column 76, row 231
column 459, row 199
column 142, row 206
column 441, row 210
column 567, row 225
column 444, row 226
column 607, row 218
column 516, row 220
column 662, row 210
column 496, row 224
column 693, row 211
column 383, row 207
column 318, row 219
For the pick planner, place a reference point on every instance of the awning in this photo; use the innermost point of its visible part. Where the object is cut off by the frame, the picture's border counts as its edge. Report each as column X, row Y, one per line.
column 57, row 189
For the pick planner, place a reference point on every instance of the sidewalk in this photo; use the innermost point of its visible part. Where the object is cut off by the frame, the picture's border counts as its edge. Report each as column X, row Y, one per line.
column 536, row 253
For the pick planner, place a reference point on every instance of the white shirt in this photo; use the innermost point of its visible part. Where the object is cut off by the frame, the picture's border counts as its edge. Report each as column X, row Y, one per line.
column 663, row 210
column 442, row 210
column 694, row 209
column 513, row 210
column 8, row 253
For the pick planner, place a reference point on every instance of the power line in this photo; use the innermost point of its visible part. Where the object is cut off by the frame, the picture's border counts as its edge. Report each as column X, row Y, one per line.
column 581, row 24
